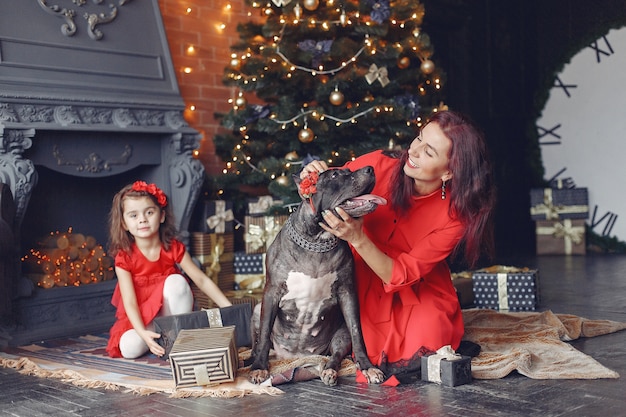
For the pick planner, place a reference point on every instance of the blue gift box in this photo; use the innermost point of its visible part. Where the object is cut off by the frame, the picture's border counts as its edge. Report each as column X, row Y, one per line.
column 506, row 288
column 559, row 203
column 249, row 270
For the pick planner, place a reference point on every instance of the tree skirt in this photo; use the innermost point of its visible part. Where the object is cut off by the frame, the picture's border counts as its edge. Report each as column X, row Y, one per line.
column 533, row 344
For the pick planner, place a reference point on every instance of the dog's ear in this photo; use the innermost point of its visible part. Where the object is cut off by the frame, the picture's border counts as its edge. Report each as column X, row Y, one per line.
column 297, row 180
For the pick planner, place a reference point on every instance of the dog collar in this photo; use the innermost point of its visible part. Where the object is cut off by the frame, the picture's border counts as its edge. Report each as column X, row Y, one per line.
column 309, row 245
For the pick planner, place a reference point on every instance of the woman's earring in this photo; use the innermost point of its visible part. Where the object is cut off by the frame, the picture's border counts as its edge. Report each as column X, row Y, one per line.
column 443, row 190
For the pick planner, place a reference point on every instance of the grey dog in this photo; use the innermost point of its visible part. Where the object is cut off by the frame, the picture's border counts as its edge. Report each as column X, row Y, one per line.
column 309, row 305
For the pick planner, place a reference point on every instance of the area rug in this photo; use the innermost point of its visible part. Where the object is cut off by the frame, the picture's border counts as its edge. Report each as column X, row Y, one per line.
column 83, row 361
column 533, row 344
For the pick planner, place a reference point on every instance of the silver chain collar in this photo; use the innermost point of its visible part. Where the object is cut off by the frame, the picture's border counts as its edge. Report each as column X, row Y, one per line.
column 311, row 246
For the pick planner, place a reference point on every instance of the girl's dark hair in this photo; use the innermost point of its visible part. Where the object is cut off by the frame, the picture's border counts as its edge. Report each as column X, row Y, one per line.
column 119, row 238
column 471, row 189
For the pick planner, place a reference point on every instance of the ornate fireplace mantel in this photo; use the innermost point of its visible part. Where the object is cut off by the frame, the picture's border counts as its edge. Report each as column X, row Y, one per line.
column 88, row 94
column 88, row 89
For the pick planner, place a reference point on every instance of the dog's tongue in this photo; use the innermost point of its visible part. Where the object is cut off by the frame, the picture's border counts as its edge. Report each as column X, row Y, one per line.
column 371, row 198
column 362, row 205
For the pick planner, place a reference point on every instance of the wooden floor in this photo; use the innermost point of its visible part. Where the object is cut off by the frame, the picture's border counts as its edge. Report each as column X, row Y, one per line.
column 591, row 286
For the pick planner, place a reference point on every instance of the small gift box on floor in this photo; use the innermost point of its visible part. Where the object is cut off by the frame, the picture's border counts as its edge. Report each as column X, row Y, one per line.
column 506, row 288
column 559, row 203
column 204, row 356
column 562, row 237
column 238, row 316
column 447, row 368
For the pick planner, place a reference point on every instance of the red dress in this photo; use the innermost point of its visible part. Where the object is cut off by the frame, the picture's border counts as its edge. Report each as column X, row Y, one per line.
column 419, row 308
column 148, row 279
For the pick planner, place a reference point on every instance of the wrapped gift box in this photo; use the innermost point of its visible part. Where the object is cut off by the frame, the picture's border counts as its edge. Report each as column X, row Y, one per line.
column 506, row 288
column 213, row 216
column 447, row 368
column 260, row 206
column 261, row 231
column 250, row 297
column 238, row 316
column 462, row 282
column 249, row 270
column 562, row 237
column 222, row 274
column 205, row 246
column 559, row 203
column 204, row 356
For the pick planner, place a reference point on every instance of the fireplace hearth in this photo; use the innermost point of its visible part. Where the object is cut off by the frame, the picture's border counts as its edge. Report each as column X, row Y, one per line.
column 87, row 105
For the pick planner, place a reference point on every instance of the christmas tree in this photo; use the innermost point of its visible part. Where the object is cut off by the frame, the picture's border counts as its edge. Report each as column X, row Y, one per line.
column 322, row 79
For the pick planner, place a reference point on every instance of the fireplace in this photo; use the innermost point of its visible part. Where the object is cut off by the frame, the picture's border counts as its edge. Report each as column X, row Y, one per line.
column 88, row 103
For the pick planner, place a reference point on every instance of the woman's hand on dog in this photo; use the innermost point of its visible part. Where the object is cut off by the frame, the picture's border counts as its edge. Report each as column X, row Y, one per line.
column 346, row 227
column 313, row 166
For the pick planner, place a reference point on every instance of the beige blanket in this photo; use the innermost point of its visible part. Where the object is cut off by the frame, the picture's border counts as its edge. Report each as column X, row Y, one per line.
column 534, row 344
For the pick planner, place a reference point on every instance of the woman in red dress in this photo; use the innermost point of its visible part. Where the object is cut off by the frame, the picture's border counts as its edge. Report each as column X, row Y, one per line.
column 441, row 198
column 149, row 282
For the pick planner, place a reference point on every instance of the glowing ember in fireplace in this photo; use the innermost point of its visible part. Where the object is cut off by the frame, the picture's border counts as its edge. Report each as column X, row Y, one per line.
column 67, row 259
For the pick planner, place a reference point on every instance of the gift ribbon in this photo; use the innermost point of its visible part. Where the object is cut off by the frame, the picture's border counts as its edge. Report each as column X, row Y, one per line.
column 434, row 362
column 217, row 245
column 553, row 212
column 262, row 205
column 215, row 317
column 258, row 236
column 379, row 74
column 572, row 235
column 201, row 373
column 503, row 295
column 221, row 216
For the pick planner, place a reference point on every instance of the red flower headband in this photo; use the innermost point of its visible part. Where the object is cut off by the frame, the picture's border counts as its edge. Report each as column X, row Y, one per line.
column 308, row 184
column 153, row 190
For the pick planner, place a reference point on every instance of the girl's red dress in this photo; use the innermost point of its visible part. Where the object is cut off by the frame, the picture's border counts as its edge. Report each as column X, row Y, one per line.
column 148, row 279
column 419, row 308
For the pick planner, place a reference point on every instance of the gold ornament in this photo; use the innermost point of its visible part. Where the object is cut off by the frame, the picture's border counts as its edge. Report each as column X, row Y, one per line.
column 404, row 62
column 240, row 102
column 427, row 66
column 306, row 135
column 283, row 180
column 292, row 156
column 336, row 98
column 311, row 4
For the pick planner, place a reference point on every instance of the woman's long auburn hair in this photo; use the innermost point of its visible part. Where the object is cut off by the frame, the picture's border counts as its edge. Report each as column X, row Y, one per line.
column 471, row 190
column 119, row 238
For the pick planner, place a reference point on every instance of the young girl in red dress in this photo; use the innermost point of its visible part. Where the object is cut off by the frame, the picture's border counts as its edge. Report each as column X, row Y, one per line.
column 149, row 282
column 441, row 198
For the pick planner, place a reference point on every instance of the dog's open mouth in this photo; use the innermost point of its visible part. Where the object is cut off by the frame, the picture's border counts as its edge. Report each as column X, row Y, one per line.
column 362, row 205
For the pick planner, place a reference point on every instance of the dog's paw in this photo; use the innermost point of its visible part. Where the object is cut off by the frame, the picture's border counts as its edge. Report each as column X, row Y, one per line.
column 373, row 375
column 329, row 377
column 259, row 376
